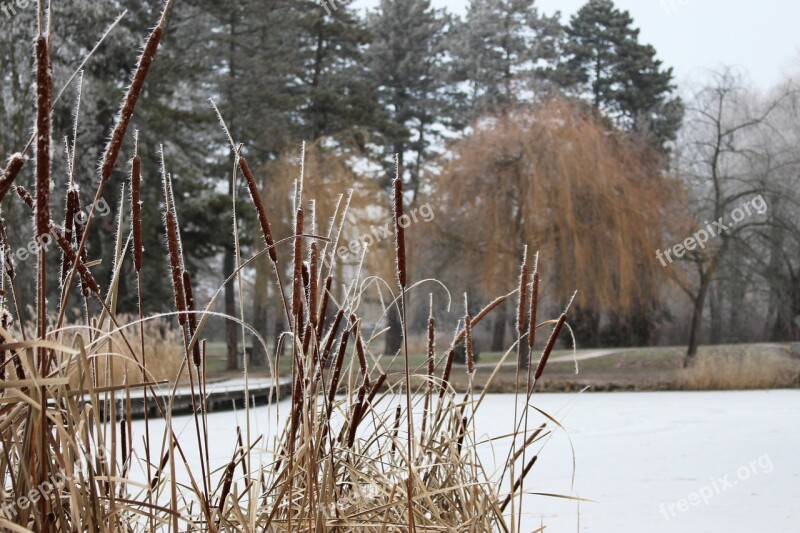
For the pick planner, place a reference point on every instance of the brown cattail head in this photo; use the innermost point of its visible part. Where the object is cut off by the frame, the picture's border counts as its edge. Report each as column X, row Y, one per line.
column 534, row 308
column 313, row 293
column 129, row 103
column 399, row 234
column 331, row 335
column 469, row 347
column 523, row 294
column 431, row 342
column 255, row 196
column 297, row 278
column 87, row 279
column 5, row 321
column 550, row 345
column 71, row 210
column 376, row 388
column 190, row 307
column 448, row 367
column 136, row 212
column 360, row 352
column 26, row 197
column 337, row 366
column 5, row 253
column 10, row 174
column 44, row 98
column 175, row 266
column 323, row 308
column 227, row 481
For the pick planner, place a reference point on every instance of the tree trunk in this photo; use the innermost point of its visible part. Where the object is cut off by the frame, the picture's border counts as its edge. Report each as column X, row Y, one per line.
column 715, row 305
column 499, row 333
column 697, row 322
column 394, row 336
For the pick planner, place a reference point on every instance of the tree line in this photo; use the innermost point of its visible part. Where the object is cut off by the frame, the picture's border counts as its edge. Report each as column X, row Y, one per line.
column 406, row 80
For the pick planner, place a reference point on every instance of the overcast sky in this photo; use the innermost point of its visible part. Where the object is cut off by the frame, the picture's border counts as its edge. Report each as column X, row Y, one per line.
column 690, row 35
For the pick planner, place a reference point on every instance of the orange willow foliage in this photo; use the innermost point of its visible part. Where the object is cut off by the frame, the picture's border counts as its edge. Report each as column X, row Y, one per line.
column 588, row 198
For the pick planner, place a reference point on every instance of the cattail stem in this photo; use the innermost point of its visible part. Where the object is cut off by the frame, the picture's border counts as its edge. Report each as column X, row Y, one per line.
column 136, row 213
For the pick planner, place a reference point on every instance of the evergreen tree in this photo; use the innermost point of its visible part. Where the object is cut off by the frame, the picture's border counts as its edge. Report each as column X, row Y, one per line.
column 500, row 53
column 405, row 61
column 603, row 56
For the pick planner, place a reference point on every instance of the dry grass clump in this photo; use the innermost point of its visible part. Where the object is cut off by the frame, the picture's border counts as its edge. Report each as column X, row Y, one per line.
column 351, row 456
column 162, row 342
column 751, row 369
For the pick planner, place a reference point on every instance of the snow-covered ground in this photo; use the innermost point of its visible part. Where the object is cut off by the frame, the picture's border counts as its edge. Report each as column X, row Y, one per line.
column 677, row 462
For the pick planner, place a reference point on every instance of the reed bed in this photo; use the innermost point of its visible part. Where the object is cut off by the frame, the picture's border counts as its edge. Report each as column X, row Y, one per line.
column 354, row 453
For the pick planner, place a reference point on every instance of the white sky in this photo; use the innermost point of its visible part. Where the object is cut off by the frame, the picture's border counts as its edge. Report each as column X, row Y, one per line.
column 690, row 35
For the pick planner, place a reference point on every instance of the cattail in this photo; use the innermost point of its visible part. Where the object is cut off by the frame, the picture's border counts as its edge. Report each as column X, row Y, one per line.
column 297, row 277
column 175, row 266
column 523, row 294
column 187, row 287
column 431, row 343
column 331, row 335
column 306, row 282
column 400, row 238
column 534, row 308
column 396, row 431
column 23, row 193
column 313, row 292
column 255, row 196
column 355, row 420
column 71, row 210
column 129, row 103
column 376, row 388
column 550, row 345
column 360, row 352
column 469, row 347
column 448, row 367
column 337, row 367
column 5, row 249
column 123, row 431
column 480, row 316
column 136, row 212
column 323, row 308
column 88, row 280
column 227, row 481
column 530, row 440
column 462, row 433
column 44, row 97
column 5, row 321
column 10, row 174
column 518, row 482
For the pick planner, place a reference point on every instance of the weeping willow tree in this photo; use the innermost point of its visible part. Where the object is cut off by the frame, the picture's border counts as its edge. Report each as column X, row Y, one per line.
column 588, row 198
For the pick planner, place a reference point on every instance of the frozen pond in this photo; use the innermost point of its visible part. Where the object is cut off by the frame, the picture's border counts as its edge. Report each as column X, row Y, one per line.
column 677, row 462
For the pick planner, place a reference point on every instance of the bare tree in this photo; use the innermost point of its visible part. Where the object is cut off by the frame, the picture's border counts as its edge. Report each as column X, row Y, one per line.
column 728, row 163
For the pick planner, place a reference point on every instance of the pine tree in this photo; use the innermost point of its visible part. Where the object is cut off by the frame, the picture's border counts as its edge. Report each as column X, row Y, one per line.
column 405, row 61
column 604, row 58
column 501, row 52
